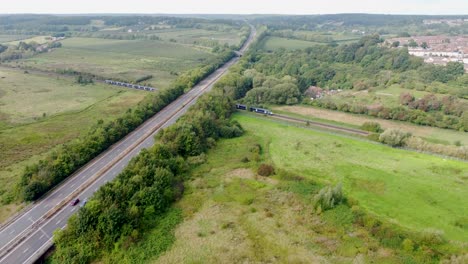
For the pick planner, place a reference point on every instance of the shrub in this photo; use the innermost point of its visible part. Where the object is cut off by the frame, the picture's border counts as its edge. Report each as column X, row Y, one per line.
column 372, row 127
column 373, row 137
column 328, row 197
column 432, row 237
column 265, row 170
column 394, row 137
column 407, row 245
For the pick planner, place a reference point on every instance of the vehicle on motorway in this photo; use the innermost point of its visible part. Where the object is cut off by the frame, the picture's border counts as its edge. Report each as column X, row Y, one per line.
column 75, row 202
column 84, row 202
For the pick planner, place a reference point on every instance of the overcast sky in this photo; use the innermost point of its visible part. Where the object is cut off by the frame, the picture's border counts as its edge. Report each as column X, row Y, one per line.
column 237, row 6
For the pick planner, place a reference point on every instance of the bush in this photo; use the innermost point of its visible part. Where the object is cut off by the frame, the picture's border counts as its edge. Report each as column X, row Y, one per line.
column 407, row 245
column 372, row 127
column 373, row 137
column 394, row 137
column 265, row 170
column 328, row 197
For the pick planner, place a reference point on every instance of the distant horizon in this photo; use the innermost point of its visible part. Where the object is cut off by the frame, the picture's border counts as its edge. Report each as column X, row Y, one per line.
column 239, row 7
column 239, row 14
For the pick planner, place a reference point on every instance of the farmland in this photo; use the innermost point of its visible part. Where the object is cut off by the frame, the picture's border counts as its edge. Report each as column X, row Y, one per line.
column 121, row 59
column 199, row 36
column 40, row 112
column 38, row 39
column 8, row 38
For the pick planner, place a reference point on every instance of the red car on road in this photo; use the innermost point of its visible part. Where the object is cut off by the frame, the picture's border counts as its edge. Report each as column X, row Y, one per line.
column 75, row 202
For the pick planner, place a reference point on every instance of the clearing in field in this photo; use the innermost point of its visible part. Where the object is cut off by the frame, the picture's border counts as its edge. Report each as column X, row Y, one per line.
column 275, row 43
column 121, row 59
column 39, row 112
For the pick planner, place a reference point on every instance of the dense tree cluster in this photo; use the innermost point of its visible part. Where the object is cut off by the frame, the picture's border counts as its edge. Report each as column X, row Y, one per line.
column 24, row 50
column 124, row 208
column 282, row 77
column 42, row 176
column 401, row 113
column 373, row 23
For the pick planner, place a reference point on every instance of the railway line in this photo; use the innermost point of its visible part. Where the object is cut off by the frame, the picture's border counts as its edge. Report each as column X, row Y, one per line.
column 29, row 234
column 298, row 120
column 322, row 125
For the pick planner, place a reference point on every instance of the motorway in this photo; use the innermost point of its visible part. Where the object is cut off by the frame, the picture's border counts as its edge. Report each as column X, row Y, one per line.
column 25, row 237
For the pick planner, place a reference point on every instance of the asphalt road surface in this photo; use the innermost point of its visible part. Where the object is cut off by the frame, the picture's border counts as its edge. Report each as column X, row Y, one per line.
column 27, row 236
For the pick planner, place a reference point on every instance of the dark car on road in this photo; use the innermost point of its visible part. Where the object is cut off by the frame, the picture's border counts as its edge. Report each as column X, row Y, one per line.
column 75, row 202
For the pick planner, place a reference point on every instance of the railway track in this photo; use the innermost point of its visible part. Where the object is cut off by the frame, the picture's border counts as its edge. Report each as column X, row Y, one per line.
column 322, row 125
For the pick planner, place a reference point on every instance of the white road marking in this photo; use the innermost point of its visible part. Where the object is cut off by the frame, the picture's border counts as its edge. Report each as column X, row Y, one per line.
column 43, row 233
column 12, row 231
column 73, row 185
column 95, row 189
column 24, row 251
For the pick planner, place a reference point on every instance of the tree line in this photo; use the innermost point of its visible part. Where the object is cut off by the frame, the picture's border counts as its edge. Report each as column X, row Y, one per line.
column 120, row 211
column 25, row 50
column 39, row 178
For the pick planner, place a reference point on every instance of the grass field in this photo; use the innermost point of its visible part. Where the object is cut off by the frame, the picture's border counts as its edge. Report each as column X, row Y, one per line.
column 275, row 43
column 127, row 59
column 414, row 190
column 70, row 109
column 38, row 39
column 432, row 134
column 200, row 36
column 233, row 215
column 25, row 98
column 8, row 38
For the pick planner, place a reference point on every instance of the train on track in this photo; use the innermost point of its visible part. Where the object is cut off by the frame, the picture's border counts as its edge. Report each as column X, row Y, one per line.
column 129, row 85
column 254, row 109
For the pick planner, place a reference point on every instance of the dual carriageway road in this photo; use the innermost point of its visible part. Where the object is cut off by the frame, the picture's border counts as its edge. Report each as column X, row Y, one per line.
column 27, row 236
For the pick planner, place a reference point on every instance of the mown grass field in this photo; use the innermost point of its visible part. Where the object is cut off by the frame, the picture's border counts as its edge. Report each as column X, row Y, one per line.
column 275, row 43
column 432, row 134
column 70, row 109
column 8, row 38
column 38, row 39
column 414, row 190
column 123, row 59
